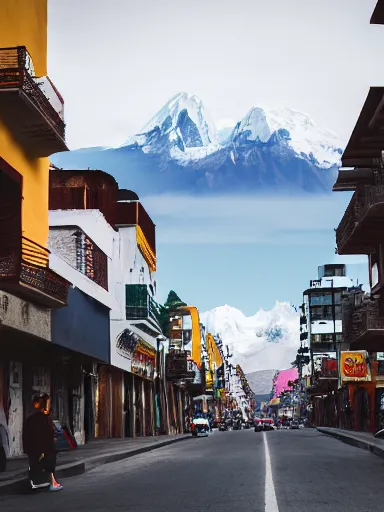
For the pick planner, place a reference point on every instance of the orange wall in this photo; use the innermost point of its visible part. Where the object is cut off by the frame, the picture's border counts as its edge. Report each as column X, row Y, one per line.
column 24, row 23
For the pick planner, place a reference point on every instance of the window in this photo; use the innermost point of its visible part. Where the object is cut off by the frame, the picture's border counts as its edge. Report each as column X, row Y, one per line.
column 337, row 298
column 325, row 338
column 319, row 313
column 321, row 299
column 330, row 271
column 374, row 270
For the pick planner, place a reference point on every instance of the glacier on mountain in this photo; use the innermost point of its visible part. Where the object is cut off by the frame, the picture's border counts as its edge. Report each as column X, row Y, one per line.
column 182, row 151
column 265, row 341
column 184, row 128
column 295, row 128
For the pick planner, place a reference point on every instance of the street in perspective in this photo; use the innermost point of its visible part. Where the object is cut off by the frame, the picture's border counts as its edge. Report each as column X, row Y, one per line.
column 123, row 384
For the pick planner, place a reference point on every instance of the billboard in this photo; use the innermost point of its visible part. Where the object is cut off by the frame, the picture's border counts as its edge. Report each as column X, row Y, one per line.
column 354, row 366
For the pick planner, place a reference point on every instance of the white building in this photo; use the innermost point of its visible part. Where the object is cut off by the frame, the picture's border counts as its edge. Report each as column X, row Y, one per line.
column 103, row 241
column 323, row 309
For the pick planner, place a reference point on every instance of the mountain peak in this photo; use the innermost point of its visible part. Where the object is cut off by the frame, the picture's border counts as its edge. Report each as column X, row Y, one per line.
column 295, row 129
column 182, row 128
column 268, row 339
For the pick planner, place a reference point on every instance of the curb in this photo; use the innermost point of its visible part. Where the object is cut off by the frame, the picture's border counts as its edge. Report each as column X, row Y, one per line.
column 19, row 485
column 352, row 441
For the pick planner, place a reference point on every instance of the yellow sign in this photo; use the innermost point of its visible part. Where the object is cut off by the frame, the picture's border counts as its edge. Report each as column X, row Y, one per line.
column 354, row 366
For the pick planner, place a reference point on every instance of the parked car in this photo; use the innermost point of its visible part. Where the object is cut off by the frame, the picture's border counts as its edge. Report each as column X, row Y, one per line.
column 294, row 425
column 264, row 425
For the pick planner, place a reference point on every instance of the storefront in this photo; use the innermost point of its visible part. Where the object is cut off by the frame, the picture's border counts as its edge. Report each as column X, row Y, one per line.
column 143, row 370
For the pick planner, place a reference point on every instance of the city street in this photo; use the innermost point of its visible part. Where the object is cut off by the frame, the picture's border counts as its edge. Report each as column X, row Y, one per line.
column 225, row 472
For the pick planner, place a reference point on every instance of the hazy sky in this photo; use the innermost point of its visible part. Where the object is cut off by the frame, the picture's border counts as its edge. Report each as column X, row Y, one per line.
column 117, row 62
column 246, row 252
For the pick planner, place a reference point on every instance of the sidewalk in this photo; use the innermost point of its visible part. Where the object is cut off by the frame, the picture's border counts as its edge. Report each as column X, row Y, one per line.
column 363, row 440
column 84, row 458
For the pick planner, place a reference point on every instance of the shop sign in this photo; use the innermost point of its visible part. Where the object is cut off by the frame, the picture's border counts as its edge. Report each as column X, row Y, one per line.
column 354, row 366
column 328, row 368
column 144, row 361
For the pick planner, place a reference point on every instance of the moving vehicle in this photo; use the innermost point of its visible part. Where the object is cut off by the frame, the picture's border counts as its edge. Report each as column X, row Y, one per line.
column 200, row 427
column 237, row 424
column 294, row 425
column 264, row 425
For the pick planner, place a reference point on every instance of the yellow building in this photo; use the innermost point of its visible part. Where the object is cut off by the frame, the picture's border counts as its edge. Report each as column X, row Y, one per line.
column 215, row 360
column 31, row 129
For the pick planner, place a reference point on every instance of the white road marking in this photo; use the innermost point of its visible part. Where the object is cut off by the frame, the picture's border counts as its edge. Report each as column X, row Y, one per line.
column 270, row 494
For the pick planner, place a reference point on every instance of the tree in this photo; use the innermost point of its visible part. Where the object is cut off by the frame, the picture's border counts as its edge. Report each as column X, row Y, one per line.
column 173, row 301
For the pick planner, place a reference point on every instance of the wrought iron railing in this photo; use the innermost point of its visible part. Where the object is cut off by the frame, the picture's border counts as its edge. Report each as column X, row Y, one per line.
column 91, row 260
column 16, row 72
column 31, row 268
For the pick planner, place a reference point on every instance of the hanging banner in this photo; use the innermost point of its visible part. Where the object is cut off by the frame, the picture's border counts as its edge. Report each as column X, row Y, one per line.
column 354, row 367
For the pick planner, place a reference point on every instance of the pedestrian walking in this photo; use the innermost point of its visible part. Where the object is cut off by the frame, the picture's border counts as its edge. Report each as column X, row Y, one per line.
column 39, row 445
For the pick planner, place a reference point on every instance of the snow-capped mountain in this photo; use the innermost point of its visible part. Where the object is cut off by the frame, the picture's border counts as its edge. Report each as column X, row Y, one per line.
column 182, row 129
column 265, row 341
column 261, row 382
column 181, row 150
column 295, row 129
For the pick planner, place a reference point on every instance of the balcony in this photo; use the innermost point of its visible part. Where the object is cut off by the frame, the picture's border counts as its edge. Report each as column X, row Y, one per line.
column 363, row 324
column 363, row 221
column 30, row 106
column 134, row 214
column 178, row 366
column 26, row 274
column 140, row 305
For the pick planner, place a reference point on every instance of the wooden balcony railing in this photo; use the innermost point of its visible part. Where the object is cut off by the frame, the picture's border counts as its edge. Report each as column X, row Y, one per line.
column 27, row 275
column 347, row 224
column 362, row 322
column 45, row 120
column 367, row 201
column 178, row 366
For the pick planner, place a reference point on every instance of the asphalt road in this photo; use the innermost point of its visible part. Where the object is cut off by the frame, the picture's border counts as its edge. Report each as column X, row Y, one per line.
column 293, row 471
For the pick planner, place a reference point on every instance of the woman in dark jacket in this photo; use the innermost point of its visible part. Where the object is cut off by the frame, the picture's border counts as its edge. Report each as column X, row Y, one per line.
column 39, row 442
